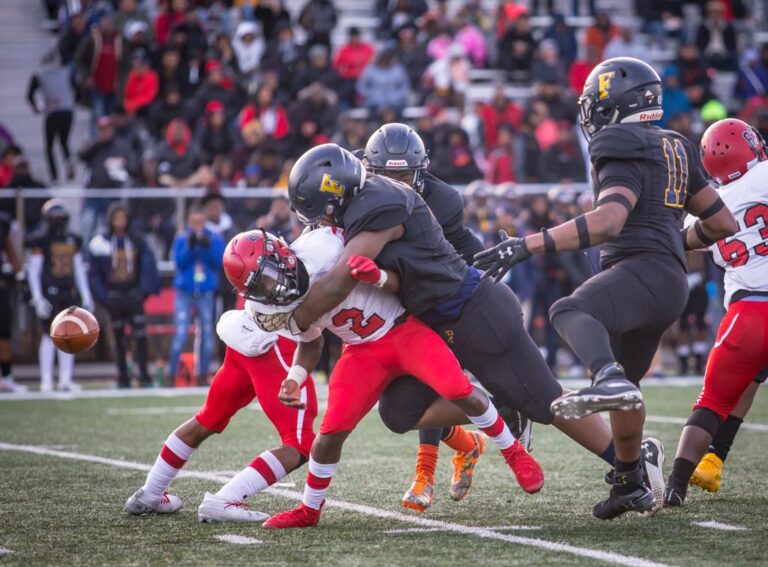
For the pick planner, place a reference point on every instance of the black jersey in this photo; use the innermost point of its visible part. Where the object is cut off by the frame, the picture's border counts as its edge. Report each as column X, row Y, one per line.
column 59, row 258
column 430, row 270
column 663, row 169
column 448, row 207
column 5, row 229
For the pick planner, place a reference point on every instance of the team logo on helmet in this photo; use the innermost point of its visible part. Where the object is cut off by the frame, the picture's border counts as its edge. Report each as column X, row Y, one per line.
column 329, row 185
column 604, row 83
column 751, row 139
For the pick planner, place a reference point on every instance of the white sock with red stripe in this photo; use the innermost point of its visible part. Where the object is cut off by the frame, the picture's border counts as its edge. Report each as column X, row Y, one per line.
column 318, row 479
column 174, row 455
column 493, row 426
column 264, row 471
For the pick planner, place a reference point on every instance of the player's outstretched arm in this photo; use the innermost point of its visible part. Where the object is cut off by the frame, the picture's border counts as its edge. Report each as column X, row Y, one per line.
column 334, row 287
column 305, row 360
column 715, row 220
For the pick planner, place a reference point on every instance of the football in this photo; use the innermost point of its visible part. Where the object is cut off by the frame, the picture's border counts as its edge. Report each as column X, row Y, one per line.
column 74, row 330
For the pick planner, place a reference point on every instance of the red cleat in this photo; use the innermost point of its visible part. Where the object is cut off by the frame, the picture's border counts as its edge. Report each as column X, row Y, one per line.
column 300, row 517
column 527, row 471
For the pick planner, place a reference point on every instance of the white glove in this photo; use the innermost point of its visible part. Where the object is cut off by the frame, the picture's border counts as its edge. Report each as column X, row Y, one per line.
column 43, row 307
column 89, row 305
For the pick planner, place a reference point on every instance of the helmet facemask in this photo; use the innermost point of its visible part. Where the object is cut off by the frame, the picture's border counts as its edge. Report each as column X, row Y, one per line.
column 411, row 176
column 279, row 279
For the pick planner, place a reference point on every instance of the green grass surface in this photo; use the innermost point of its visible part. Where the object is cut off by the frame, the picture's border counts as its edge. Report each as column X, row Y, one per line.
column 68, row 512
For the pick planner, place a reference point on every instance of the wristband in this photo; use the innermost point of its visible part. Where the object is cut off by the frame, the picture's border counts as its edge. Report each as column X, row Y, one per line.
column 298, row 374
column 382, row 279
column 549, row 242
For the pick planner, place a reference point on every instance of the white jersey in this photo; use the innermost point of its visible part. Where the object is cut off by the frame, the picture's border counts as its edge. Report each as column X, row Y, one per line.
column 744, row 256
column 367, row 314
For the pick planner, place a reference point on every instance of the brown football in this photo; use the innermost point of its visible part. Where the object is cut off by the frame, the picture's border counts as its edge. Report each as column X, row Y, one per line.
column 74, row 330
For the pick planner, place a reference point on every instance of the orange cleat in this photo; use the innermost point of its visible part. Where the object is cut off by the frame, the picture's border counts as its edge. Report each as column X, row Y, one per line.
column 421, row 494
column 464, row 468
column 527, row 471
column 300, row 517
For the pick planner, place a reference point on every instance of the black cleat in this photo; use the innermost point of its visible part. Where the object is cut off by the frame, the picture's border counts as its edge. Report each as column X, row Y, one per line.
column 652, row 460
column 610, row 391
column 673, row 497
column 639, row 500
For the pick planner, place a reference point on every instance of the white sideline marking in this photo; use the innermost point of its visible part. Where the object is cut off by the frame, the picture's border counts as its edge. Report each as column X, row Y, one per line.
column 494, row 528
column 481, row 532
column 4, row 550
column 720, row 526
column 683, row 420
column 238, row 539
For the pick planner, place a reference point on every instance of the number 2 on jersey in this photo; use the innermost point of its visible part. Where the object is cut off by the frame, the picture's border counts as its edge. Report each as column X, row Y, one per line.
column 677, row 173
column 735, row 251
column 358, row 324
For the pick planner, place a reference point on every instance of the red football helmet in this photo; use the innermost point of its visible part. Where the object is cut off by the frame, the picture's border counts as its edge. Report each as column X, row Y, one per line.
column 262, row 267
column 729, row 148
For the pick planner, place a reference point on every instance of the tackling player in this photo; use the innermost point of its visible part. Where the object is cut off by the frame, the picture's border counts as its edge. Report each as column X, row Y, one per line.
column 644, row 178
column 734, row 155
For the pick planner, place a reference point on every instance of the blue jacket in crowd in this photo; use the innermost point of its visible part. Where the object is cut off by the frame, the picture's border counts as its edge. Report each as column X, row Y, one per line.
column 120, row 266
column 198, row 261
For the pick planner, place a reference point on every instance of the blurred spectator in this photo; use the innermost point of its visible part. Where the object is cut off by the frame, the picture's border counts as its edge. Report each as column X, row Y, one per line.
column 164, row 110
column 516, row 48
column 216, row 87
column 318, row 18
column 197, row 253
column 625, row 44
column 316, row 103
column 132, row 131
column 249, row 47
column 581, row 68
column 130, row 12
column 136, row 41
column 447, row 78
column 565, row 38
column 74, row 32
column 172, row 15
column 412, row 54
column 478, row 212
column 548, row 66
column 753, row 75
column 501, row 160
column 123, row 273
column 284, row 55
column 172, row 74
column 527, row 153
column 384, row 83
column 471, row 38
column 319, row 70
column 268, row 111
column 180, row 159
column 509, row 11
column 600, row 33
column 563, row 159
column 142, row 85
column 213, row 136
column 350, row 60
column 7, row 161
column 675, row 100
column 398, row 13
column 54, row 83
column 500, row 110
column 251, row 140
column 716, row 38
column 272, row 15
column 452, row 159
column 354, row 131
column 279, row 220
column 695, row 75
column 96, row 60
column 552, row 95
column 661, row 19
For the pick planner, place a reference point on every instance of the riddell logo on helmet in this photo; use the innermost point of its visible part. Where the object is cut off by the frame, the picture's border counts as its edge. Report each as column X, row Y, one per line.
column 650, row 116
column 396, row 163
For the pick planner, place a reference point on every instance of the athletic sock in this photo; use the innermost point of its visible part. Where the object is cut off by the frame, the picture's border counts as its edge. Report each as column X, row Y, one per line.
column 426, row 461
column 5, row 369
column 723, row 439
column 47, row 358
column 586, row 336
column 609, row 455
column 459, row 439
column 430, row 436
column 174, row 455
column 318, row 480
column 66, row 368
column 264, row 471
column 682, row 470
column 490, row 423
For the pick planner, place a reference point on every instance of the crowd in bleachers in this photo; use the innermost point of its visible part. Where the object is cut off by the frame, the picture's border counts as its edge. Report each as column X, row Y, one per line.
column 228, row 93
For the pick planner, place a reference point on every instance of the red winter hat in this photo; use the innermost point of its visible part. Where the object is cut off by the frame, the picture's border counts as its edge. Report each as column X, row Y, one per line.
column 212, row 65
column 214, row 106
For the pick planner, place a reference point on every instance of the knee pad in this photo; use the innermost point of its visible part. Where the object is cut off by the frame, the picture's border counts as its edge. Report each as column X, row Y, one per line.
column 705, row 419
column 395, row 420
column 563, row 305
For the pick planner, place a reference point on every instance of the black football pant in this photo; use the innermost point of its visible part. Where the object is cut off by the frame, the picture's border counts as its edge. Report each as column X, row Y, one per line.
column 124, row 311
column 621, row 313
column 490, row 340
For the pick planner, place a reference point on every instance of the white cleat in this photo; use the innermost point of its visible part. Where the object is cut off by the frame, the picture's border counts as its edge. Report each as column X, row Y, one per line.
column 139, row 504
column 652, row 458
column 10, row 385
column 72, row 387
column 217, row 509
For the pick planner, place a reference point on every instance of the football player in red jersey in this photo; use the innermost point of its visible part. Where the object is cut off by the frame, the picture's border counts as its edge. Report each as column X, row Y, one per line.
column 734, row 155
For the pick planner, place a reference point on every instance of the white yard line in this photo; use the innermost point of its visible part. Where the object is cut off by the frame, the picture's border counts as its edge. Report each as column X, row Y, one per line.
column 493, row 528
column 238, row 539
column 476, row 531
column 720, row 526
column 682, row 420
column 4, row 551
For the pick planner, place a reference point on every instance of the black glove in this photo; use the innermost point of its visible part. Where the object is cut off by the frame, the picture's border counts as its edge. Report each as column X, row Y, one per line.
column 497, row 261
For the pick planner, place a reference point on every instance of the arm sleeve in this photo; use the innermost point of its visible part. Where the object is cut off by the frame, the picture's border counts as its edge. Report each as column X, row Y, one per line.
column 34, row 276
column 620, row 173
column 81, row 278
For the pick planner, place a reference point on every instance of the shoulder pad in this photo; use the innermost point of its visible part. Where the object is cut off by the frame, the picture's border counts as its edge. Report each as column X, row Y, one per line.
column 619, row 141
column 381, row 201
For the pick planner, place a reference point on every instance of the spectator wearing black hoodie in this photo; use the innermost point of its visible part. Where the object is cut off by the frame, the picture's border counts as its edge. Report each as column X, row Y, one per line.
column 318, row 17
column 123, row 273
column 213, row 137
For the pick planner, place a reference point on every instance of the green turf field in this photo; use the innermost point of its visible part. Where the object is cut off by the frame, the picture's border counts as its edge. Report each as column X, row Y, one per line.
column 65, row 511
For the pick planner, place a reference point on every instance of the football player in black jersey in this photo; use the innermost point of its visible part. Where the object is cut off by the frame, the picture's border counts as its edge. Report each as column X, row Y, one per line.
column 481, row 322
column 644, row 179
column 57, row 279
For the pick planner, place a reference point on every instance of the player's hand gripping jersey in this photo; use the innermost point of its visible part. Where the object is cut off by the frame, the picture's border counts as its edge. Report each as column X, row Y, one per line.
column 367, row 314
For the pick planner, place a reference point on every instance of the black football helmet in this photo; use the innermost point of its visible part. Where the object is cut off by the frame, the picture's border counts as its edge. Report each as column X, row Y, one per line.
column 620, row 90
column 322, row 182
column 54, row 212
column 397, row 148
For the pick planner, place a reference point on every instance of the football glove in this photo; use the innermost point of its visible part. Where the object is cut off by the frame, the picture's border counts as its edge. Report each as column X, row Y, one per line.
column 365, row 270
column 497, row 261
column 43, row 307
